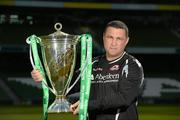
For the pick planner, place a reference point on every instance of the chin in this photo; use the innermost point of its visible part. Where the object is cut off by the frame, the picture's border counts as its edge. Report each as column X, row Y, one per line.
column 113, row 55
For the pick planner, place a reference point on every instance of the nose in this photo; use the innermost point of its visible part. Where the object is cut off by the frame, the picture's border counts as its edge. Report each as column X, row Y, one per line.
column 113, row 43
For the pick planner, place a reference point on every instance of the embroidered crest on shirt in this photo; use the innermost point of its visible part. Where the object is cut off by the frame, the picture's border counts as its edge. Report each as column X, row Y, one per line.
column 115, row 67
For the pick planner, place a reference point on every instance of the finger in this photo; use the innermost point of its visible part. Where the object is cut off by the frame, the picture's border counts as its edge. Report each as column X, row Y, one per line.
column 38, row 79
column 76, row 111
column 76, row 104
column 36, row 75
column 35, row 72
column 72, row 108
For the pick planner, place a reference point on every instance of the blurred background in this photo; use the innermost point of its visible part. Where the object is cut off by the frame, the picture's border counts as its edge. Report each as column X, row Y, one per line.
column 154, row 40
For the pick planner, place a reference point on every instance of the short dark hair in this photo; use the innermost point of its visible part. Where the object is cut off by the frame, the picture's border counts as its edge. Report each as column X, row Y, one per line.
column 118, row 24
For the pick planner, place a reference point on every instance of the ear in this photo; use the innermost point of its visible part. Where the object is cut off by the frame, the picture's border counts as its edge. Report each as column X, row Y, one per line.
column 127, row 40
column 103, row 36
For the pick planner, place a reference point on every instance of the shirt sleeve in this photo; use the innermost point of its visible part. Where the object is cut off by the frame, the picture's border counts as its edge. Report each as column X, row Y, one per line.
column 129, row 88
column 95, row 105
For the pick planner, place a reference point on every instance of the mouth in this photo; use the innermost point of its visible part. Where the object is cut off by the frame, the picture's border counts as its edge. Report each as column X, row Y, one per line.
column 113, row 48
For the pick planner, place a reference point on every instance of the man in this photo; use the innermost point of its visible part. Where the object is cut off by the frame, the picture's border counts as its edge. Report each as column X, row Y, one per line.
column 116, row 81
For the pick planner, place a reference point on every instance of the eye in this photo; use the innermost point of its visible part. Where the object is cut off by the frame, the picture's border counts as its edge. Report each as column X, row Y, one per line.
column 120, row 38
column 109, row 37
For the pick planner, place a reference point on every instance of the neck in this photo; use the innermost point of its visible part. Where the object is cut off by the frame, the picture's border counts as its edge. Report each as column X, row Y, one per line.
column 111, row 58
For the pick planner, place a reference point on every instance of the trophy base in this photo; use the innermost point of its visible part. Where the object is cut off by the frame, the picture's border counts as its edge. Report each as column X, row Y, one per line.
column 62, row 116
column 59, row 105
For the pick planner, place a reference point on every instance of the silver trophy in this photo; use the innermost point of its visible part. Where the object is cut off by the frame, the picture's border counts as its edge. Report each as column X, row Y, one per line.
column 59, row 57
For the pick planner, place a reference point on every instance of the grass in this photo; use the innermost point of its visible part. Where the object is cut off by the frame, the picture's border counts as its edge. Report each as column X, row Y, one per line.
column 159, row 112
column 146, row 112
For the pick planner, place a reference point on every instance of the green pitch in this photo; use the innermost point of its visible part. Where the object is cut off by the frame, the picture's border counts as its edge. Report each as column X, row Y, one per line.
column 159, row 112
column 146, row 112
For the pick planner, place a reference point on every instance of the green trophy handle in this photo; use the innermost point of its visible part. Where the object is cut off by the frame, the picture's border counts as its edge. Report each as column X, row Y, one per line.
column 33, row 40
column 86, row 60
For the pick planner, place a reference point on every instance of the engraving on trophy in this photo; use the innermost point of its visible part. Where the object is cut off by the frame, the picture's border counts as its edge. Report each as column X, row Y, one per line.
column 60, row 69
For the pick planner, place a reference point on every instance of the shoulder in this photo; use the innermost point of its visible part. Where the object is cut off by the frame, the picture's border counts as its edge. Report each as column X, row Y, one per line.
column 135, row 69
column 134, row 66
column 133, row 61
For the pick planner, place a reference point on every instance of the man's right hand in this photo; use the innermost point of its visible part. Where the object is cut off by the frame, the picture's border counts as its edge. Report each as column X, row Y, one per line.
column 36, row 75
column 75, row 107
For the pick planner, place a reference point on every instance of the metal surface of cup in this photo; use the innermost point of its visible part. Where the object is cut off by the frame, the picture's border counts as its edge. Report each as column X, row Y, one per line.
column 59, row 56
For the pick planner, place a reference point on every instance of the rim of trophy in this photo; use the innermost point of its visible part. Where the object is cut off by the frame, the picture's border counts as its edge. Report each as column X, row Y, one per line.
column 58, row 35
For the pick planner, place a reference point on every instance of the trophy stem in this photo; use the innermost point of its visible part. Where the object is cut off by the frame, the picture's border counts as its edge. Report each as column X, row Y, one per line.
column 59, row 105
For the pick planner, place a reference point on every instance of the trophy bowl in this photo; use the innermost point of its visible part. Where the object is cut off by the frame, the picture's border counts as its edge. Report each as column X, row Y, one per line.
column 59, row 58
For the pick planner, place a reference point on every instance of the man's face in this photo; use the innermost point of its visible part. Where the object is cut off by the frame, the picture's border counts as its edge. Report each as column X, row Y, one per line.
column 115, row 41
